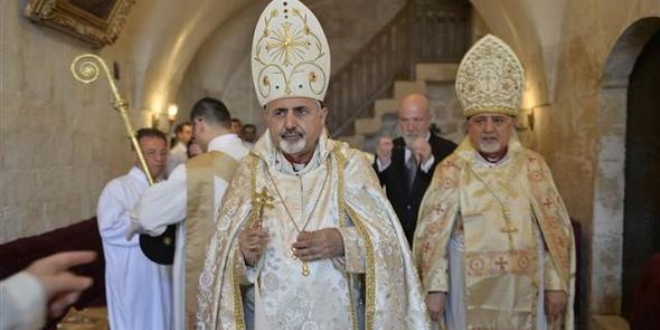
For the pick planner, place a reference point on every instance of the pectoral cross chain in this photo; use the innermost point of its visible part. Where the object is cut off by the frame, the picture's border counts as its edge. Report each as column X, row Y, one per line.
column 509, row 228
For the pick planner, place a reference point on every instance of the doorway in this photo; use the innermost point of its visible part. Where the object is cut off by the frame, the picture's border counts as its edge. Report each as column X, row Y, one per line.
column 641, row 225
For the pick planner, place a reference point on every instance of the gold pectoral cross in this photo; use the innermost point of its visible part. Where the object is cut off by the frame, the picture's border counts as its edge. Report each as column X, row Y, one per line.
column 305, row 264
column 305, row 268
column 260, row 201
column 509, row 229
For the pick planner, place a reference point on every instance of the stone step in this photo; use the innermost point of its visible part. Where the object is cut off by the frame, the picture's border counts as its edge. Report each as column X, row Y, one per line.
column 403, row 88
column 609, row 322
column 372, row 125
column 436, row 72
column 367, row 125
column 388, row 106
column 431, row 72
column 385, row 106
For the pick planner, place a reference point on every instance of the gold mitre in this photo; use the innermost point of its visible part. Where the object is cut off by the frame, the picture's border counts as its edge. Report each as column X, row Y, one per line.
column 290, row 54
column 490, row 78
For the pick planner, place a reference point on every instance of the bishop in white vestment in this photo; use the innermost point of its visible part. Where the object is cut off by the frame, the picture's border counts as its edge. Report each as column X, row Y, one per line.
column 494, row 245
column 305, row 220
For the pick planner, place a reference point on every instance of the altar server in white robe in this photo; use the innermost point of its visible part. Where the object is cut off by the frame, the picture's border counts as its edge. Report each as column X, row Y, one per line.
column 138, row 291
column 305, row 219
column 192, row 193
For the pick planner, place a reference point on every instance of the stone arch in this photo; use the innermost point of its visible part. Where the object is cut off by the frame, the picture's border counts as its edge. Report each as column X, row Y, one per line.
column 609, row 182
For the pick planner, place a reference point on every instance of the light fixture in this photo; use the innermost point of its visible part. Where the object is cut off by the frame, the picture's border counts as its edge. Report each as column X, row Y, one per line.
column 155, row 118
column 172, row 110
column 530, row 119
column 530, row 116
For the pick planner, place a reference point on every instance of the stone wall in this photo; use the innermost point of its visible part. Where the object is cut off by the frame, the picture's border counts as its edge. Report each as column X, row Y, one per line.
column 582, row 134
column 60, row 140
column 222, row 66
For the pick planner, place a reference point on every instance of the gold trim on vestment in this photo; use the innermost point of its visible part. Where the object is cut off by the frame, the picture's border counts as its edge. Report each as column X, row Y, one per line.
column 200, row 215
column 238, row 297
column 370, row 276
column 350, row 280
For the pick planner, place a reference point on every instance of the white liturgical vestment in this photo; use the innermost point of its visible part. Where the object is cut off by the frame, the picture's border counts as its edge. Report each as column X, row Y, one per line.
column 168, row 203
column 138, row 291
column 336, row 189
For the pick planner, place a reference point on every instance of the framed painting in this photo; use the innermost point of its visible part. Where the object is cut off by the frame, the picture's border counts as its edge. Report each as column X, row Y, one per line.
column 98, row 22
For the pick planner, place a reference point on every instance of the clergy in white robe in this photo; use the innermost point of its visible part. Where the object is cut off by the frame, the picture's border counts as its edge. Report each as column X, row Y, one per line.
column 304, row 219
column 494, row 245
column 138, row 291
column 179, row 152
column 191, row 198
column 178, row 155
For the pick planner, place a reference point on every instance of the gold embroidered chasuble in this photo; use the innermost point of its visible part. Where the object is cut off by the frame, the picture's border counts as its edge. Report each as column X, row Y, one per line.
column 338, row 189
column 499, row 210
column 201, row 172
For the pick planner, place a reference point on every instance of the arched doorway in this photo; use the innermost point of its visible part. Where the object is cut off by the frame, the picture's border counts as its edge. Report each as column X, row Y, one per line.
column 641, row 225
column 623, row 105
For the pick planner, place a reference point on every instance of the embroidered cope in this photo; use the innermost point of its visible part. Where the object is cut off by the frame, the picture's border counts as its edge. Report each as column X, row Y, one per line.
column 349, row 198
column 499, row 213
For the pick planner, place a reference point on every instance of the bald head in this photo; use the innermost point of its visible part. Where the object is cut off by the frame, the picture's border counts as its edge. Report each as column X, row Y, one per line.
column 414, row 117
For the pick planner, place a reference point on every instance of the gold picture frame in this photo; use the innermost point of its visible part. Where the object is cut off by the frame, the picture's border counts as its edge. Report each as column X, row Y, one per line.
column 97, row 22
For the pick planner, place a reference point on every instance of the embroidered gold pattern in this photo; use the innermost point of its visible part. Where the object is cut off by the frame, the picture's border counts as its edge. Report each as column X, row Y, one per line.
column 290, row 49
column 490, row 78
column 350, row 280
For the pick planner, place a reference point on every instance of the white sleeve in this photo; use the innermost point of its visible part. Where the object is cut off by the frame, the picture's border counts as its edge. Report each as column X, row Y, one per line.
column 175, row 160
column 22, row 303
column 112, row 215
column 163, row 204
column 427, row 165
column 382, row 166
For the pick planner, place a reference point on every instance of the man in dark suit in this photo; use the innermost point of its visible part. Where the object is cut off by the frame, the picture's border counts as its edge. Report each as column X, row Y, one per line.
column 405, row 165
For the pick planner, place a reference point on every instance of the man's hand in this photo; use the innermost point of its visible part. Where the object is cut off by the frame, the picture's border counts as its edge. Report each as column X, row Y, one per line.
column 555, row 301
column 320, row 244
column 384, row 150
column 252, row 242
column 421, row 149
column 435, row 303
column 62, row 287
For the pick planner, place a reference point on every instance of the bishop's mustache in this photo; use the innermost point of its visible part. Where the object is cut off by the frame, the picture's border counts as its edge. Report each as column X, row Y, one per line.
column 291, row 134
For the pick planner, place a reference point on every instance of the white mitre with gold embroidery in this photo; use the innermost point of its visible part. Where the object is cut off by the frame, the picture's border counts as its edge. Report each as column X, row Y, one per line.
column 490, row 78
column 290, row 54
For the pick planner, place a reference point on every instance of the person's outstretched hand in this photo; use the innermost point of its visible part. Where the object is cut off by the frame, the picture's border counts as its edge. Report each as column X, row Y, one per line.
column 62, row 287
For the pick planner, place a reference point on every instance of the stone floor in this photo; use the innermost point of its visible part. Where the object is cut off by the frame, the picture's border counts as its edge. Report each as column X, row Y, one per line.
column 609, row 322
column 86, row 319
